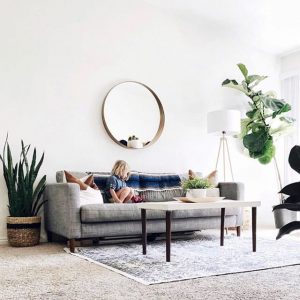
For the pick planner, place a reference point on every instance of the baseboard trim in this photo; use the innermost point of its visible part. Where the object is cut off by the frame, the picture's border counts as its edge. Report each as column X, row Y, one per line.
column 3, row 241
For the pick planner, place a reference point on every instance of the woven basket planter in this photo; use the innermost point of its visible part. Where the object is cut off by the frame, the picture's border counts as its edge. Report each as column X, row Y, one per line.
column 23, row 231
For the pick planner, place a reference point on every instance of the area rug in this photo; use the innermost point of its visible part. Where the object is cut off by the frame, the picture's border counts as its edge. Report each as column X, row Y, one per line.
column 200, row 256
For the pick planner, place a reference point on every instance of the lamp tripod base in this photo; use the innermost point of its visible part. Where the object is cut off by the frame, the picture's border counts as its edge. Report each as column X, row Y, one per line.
column 224, row 152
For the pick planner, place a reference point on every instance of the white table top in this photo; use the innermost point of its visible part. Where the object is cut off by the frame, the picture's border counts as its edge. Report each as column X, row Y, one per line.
column 177, row 205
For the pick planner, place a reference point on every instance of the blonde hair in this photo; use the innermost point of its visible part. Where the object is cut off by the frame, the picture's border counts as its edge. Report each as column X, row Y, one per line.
column 121, row 169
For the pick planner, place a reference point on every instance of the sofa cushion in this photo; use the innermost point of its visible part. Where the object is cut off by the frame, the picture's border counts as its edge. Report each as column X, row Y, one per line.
column 97, row 213
column 160, row 195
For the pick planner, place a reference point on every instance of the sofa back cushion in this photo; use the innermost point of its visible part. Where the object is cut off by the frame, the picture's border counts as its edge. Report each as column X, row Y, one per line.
column 151, row 186
column 60, row 175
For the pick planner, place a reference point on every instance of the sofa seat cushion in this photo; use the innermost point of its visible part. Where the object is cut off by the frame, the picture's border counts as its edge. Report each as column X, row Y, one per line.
column 100, row 213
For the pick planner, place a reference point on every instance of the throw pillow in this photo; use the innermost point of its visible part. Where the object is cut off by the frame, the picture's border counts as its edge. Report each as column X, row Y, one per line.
column 90, row 196
column 212, row 177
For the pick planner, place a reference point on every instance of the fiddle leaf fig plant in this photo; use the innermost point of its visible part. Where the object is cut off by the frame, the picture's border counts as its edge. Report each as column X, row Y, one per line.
column 265, row 118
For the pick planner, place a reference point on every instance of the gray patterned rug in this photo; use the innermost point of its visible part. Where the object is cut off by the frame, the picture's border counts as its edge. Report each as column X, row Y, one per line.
column 192, row 258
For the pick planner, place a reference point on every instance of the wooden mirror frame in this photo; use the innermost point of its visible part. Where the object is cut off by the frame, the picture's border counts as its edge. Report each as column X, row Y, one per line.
column 161, row 113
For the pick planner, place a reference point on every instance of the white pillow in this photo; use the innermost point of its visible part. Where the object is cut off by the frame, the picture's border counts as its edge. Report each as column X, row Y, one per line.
column 90, row 196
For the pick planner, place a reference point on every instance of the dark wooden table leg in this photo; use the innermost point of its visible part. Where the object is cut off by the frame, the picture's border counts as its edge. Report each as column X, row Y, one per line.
column 222, row 226
column 144, row 231
column 72, row 245
column 168, row 235
column 238, row 230
column 254, row 213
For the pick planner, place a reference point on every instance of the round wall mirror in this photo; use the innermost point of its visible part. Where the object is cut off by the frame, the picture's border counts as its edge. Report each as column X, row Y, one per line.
column 133, row 115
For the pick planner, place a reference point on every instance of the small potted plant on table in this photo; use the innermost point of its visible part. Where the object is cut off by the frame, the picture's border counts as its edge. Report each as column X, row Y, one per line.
column 196, row 187
column 24, row 197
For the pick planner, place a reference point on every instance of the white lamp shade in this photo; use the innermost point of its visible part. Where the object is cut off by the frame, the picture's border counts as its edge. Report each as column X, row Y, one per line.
column 228, row 121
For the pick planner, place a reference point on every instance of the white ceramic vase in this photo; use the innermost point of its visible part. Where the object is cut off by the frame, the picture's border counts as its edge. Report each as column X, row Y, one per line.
column 196, row 193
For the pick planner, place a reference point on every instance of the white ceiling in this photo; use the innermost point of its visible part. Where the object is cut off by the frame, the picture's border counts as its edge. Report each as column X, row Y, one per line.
column 273, row 25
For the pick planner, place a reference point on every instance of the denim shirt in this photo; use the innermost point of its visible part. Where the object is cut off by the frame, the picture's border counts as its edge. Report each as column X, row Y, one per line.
column 114, row 182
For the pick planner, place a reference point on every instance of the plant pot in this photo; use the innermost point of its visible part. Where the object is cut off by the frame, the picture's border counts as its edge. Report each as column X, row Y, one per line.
column 135, row 144
column 23, row 231
column 283, row 217
column 196, row 193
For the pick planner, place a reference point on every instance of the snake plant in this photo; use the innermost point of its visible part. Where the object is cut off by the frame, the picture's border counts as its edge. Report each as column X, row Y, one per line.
column 24, row 196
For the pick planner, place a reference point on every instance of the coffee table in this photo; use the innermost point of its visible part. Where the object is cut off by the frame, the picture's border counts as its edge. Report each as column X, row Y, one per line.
column 171, row 206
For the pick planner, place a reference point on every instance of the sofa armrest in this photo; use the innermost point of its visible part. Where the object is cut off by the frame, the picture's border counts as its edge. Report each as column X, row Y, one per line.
column 62, row 210
column 232, row 190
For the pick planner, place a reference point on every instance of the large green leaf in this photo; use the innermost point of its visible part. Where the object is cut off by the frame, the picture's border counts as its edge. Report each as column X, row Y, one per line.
column 231, row 83
column 293, row 199
column 285, row 108
column 244, row 126
column 256, row 141
column 255, row 80
column 243, row 69
column 252, row 113
column 288, row 228
column 38, row 193
column 294, row 158
column 272, row 103
column 291, row 189
column 268, row 152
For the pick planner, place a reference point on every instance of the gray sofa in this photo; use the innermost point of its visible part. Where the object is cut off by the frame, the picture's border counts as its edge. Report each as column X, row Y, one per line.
column 65, row 217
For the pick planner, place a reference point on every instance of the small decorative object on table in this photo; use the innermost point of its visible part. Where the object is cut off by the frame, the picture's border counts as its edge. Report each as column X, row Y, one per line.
column 25, row 201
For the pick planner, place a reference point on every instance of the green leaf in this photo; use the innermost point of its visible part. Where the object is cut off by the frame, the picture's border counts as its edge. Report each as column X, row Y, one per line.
column 287, row 120
column 278, row 106
column 288, row 228
column 243, row 69
column 255, row 79
column 244, row 127
column 231, row 83
column 250, row 114
column 38, row 193
column 285, row 108
column 256, row 141
column 268, row 152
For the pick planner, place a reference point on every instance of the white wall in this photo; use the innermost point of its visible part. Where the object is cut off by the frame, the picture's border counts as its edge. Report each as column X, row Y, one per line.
column 290, row 63
column 58, row 60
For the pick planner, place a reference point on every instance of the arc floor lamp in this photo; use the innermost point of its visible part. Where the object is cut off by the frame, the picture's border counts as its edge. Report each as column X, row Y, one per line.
column 224, row 123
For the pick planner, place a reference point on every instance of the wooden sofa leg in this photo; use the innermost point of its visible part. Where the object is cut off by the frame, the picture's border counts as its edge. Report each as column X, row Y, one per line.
column 72, row 245
column 238, row 230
